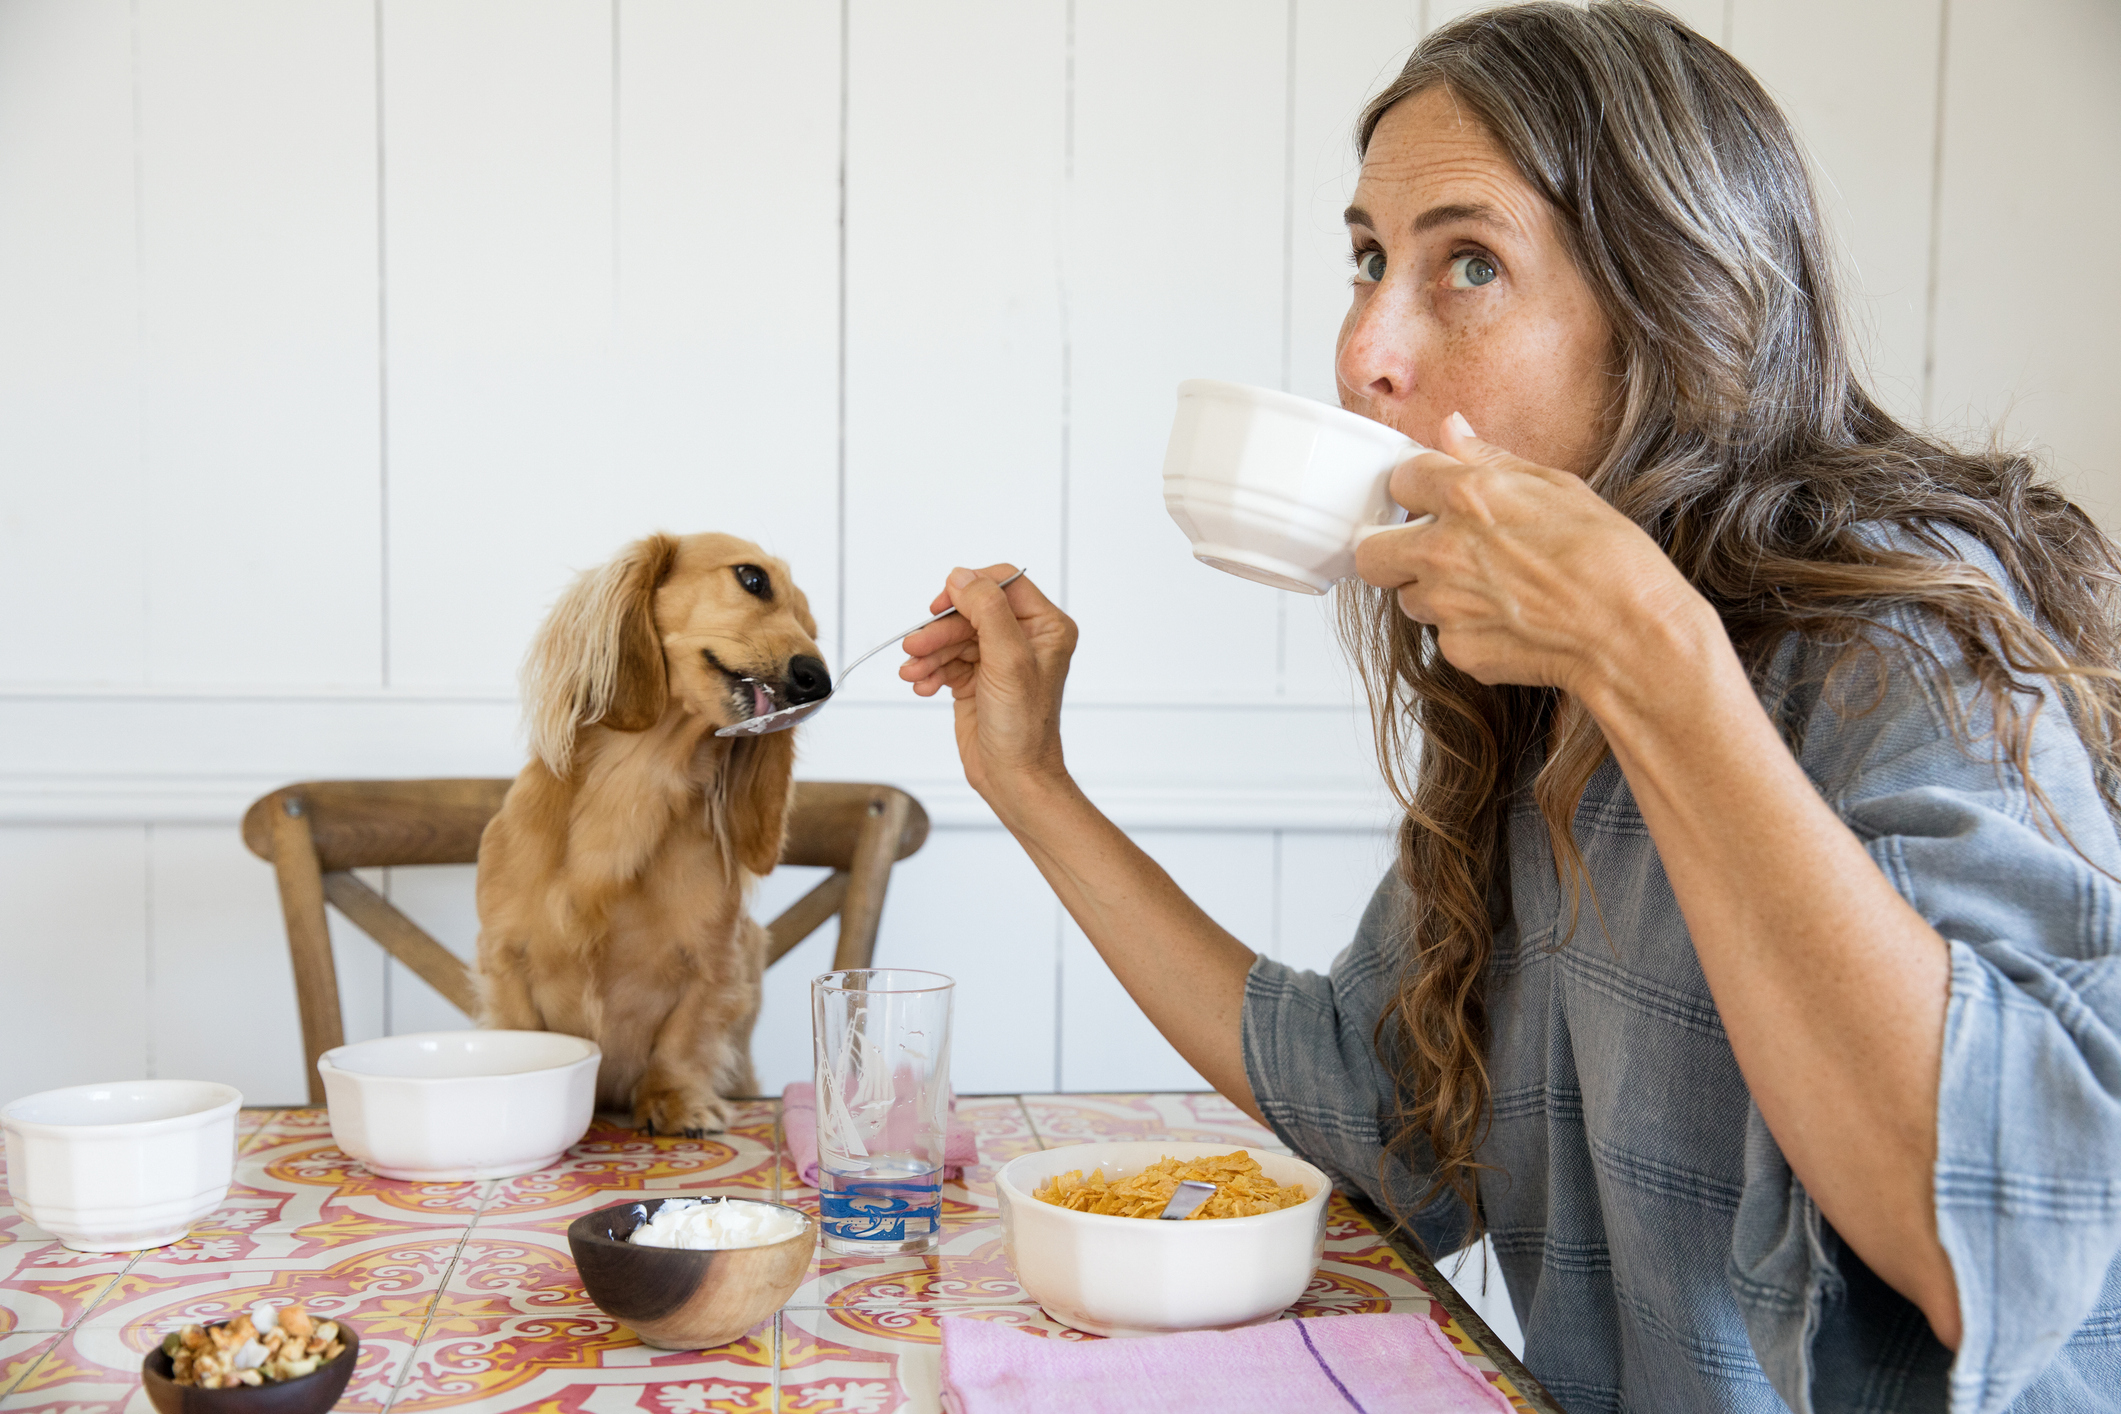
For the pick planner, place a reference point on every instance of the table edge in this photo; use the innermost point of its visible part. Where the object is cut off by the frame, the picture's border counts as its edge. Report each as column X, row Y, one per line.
column 1447, row 1296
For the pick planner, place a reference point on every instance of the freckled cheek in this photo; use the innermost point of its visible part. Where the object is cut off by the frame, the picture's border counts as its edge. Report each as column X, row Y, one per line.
column 1467, row 373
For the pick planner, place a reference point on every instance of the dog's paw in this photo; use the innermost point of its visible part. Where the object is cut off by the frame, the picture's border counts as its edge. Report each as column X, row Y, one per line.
column 692, row 1114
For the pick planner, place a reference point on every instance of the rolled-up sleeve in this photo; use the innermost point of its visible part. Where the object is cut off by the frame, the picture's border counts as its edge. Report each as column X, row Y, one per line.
column 1311, row 1057
column 2028, row 1176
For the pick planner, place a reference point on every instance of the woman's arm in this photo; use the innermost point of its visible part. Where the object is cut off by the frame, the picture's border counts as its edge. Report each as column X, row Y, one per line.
column 1831, row 988
column 1004, row 658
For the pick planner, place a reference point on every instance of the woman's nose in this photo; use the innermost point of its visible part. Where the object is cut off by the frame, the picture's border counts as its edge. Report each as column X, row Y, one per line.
column 1376, row 362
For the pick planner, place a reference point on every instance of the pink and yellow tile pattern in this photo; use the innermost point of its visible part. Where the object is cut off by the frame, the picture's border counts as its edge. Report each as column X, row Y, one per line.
column 467, row 1301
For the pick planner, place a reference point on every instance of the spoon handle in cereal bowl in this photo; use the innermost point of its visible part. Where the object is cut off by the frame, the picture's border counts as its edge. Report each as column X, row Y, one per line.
column 1190, row 1195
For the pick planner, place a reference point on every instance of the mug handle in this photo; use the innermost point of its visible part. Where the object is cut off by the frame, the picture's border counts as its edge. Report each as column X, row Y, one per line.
column 1364, row 532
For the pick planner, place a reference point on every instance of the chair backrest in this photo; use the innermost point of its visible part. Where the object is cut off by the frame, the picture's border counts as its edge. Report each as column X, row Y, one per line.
column 316, row 833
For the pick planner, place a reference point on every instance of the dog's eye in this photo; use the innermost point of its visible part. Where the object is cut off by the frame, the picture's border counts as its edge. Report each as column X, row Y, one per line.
column 755, row 581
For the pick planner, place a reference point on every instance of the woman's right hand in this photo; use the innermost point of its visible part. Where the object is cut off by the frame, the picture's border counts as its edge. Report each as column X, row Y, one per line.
column 1004, row 656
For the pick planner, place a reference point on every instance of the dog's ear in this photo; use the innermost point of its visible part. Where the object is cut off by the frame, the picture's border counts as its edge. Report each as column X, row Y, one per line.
column 640, row 689
column 599, row 657
column 761, row 784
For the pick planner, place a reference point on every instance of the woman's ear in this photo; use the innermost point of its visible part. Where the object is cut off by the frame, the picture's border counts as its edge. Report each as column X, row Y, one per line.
column 599, row 657
column 762, row 782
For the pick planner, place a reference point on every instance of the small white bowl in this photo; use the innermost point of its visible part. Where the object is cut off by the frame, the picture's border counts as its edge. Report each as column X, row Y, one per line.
column 1275, row 488
column 125, row 1166
column 444, row 1105
column 1141, row 1276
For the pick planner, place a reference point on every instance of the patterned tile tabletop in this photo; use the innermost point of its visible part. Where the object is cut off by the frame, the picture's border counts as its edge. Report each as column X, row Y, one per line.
column 466, row 1299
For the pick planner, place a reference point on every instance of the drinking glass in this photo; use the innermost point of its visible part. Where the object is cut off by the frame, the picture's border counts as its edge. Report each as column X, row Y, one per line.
column 882, row 1038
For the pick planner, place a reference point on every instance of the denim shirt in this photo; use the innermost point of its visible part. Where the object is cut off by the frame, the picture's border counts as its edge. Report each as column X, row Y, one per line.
column 1659, row 1251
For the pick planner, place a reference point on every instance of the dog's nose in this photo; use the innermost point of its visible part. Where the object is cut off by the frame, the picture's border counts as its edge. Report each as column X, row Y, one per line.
column 807, row 680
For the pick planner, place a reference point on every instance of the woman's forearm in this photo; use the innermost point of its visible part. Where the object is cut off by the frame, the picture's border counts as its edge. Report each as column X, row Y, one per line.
column 1832, row 989
column 1181, row 967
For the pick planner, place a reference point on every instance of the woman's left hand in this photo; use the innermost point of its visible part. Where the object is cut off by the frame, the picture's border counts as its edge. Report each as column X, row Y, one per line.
column 1527, row 574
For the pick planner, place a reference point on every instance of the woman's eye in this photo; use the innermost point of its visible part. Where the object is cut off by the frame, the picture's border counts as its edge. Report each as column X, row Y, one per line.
column 1369, row 266
column 1470, row 272
column 754, row 581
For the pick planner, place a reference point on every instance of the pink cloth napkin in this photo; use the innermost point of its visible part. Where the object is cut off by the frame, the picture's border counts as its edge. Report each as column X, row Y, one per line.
column 799, row 1133
column 1392, row 1364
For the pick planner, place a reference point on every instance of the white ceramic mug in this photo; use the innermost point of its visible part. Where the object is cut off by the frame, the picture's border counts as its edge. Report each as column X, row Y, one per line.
column 125, row 1166
column 1276, row 488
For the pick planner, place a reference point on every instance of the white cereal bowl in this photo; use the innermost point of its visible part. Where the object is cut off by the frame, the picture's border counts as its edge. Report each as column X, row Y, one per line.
column 121, row 1167
column 444, row 1105
column 1141, row 1276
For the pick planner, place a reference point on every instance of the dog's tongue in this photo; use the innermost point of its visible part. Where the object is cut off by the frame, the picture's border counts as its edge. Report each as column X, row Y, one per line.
column 761, row 700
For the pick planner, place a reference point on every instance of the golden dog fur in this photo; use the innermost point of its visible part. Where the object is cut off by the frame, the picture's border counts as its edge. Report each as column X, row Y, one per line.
column 612, row 885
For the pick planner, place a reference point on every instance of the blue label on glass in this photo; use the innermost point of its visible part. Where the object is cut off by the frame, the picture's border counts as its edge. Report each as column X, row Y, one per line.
column 861, row 1210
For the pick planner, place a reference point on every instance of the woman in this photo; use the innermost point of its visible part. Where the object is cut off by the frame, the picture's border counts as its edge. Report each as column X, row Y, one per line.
column 1740, row 973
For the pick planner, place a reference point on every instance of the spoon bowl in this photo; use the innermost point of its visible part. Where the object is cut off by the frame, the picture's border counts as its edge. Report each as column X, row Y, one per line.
column 787, row 717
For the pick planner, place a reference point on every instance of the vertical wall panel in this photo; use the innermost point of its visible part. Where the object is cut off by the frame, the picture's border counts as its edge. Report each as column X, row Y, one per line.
column 224, row 991
column 440, row 899
column 1107, row 1042
column 610, row 262
column 1326, row 880
column 728, row 293
column 972, row 905
column 1346, row 51
column 969, row 905
column 955, row 132
column 1870, row 131
column 1176, row 259
column 258, row 194
column 2028, row 289
column 498, row 259
column 780, row 1042
column 76, row 1000
column 69, row 347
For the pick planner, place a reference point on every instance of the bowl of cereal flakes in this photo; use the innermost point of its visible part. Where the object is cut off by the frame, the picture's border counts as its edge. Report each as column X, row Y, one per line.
column 269, row 1360
column 1083, row 1228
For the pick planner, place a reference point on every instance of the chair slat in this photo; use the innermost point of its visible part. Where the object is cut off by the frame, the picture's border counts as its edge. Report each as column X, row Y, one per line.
column 375, row 824
column 314, row 832
column 805, row 916
column 404, row 940
column 829, row 816
column 885, row 824
column 308, row 942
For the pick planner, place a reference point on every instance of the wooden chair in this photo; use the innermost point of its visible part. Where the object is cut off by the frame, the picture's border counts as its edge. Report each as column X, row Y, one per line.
column 316, row 833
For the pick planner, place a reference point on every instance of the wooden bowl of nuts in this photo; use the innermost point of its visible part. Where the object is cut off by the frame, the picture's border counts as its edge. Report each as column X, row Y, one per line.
column 270, row 1360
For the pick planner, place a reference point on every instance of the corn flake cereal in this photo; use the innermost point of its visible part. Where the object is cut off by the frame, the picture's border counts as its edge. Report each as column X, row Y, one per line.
column 1242, row 1190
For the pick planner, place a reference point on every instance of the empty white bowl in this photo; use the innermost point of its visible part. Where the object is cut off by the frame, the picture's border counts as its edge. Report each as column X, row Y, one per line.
column 442, row 1105
column 124, row 1166
column 1142, row 1276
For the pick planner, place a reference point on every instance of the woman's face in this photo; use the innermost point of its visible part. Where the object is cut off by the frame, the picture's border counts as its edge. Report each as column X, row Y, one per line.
column 1466, row 300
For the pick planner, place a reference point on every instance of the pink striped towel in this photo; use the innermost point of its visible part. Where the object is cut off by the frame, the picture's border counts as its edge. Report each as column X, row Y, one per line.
column 1386, row 1364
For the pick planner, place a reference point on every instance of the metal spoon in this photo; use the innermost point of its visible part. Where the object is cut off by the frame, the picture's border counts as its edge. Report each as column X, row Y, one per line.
column 787, row 717
column 1190, row 1195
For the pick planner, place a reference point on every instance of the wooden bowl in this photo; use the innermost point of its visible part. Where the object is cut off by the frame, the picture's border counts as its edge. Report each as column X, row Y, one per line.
column 676, row 1299
column 312, row 1393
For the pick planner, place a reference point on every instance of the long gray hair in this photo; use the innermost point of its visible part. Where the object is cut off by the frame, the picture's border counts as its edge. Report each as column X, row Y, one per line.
column 1743, row 443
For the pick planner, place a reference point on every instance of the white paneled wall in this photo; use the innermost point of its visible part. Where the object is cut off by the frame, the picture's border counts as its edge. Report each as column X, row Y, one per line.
column 336, row 334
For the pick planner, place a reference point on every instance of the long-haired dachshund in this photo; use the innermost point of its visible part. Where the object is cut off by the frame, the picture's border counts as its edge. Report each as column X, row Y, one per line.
column 612, row 885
